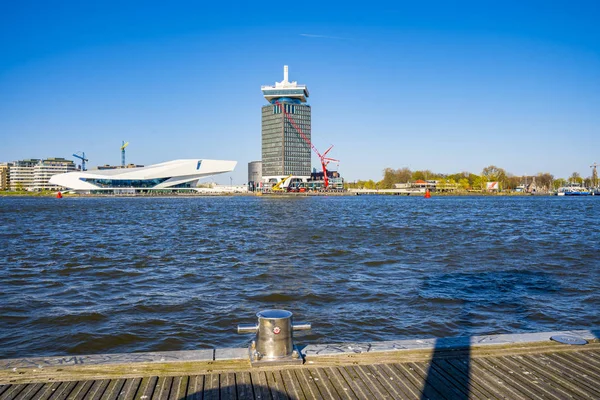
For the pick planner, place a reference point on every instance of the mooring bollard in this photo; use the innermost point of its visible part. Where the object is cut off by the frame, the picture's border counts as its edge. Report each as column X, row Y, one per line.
column 274, row 342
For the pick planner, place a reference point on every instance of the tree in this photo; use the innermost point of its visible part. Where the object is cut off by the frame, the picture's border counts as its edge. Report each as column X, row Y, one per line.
column 391, row 176
column 369, row 184
column 464, row 184
column 478, row 182
column 559, row 183
column 493, row 173
column 575, row 178
column 388, row 179
column 422, row 175
column 512, row 181
column 544, row 180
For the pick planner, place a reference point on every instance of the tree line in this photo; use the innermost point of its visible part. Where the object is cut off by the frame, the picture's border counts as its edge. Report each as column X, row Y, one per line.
column 544, row 181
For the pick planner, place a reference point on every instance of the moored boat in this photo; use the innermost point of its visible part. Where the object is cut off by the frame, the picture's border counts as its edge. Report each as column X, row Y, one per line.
column 573, row 190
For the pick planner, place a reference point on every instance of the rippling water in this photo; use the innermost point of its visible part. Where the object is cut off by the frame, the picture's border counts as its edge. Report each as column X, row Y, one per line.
column 98, row 275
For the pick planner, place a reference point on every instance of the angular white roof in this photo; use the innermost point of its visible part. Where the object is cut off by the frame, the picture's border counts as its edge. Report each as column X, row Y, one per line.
column 157, row 176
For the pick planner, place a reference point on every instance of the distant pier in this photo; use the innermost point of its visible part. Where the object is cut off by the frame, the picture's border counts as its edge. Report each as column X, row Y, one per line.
column 521, row 366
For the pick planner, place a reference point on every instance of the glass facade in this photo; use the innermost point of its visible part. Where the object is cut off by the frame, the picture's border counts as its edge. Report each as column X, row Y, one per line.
column 284, row 151
column 126, row 183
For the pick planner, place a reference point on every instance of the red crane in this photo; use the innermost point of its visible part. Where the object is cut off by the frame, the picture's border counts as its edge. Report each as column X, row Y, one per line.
column 324, row 160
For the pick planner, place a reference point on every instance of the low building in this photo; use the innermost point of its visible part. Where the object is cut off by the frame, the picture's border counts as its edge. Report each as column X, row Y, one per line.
column 22, row 176
column 5, row 175
column 170, row 176
column 255, row 171
column 46, row 169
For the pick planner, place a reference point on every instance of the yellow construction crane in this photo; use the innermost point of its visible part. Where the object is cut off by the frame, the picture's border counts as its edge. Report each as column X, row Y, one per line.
column 125, row 144
column 278, row 186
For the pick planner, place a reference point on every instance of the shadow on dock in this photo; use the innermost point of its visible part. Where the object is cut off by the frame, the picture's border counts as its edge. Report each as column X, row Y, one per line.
column 507, row 290
column 448, row 375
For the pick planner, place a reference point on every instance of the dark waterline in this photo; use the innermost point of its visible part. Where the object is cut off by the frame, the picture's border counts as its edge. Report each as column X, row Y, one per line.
column 99, row 275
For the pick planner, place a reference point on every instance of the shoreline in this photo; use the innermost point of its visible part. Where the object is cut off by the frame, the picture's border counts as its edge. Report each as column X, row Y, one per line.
column 269, row 195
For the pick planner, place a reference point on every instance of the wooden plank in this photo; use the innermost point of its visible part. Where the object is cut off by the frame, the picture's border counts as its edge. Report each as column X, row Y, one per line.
column 508, row 378
column 195, row 387
column 374, row 386
column 436, row 378
column 550, row 373
column 357, row 381
column 244, row 386
column 29, row 391
column 13, row 391
column 227, row 382
column 487, row 380
column 452, row 379
column 130, row 388
column 3, row 388
column 211, row 387
column 433, row 386
column 97, row 389
column 146, row 389
column 163, row 388
column 178, row 388
column 590, row 358
column 113, row 389
column 80, row 390
column 260, row 385
column 46, row 391
column 416, row 380
column 276, row 385
column 310, row 389
column 292, row 385
column 339, row 383
column 463, row 372
column 538, row 383
column 561, row 376
column 585, row 369
column 384, row 380
column 64, row 390
column 354, row 382
column 322, row 381
column 409, row 390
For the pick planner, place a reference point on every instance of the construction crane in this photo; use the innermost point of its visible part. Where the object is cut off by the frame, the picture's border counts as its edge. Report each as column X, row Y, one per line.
column 594, row 168
column 82, row 158
column 125, row 144
column 278, row 187
column 324, row 160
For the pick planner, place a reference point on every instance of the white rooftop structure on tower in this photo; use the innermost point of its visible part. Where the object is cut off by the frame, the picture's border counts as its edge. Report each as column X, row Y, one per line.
column 285, row 89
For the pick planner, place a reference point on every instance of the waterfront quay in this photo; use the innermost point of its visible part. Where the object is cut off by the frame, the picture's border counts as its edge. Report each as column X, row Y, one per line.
column 522, row 366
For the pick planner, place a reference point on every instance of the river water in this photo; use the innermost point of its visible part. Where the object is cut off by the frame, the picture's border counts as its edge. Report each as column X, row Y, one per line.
column 100, row 275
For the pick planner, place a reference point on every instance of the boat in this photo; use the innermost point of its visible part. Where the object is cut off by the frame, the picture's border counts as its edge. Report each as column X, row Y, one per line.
column 573, row 190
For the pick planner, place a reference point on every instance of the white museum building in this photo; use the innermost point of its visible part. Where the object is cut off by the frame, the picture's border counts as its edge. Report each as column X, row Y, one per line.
column 176, row 175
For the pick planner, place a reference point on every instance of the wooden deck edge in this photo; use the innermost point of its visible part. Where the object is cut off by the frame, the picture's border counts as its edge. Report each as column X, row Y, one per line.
column 201, row 362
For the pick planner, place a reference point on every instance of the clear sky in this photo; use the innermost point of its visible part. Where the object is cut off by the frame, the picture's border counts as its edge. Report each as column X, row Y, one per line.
column 448, row 86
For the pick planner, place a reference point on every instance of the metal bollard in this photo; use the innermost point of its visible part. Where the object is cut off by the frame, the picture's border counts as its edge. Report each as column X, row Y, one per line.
column 274, row 342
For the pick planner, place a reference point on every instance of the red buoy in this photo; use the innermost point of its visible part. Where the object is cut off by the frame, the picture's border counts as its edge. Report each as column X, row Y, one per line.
column 59, row 195
column 427, row 194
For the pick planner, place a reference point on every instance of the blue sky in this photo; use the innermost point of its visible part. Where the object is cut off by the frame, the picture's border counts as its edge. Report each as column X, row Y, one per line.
column 446, row 86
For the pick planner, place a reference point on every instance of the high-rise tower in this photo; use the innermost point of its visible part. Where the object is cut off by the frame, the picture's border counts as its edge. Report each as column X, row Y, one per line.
column 284, row 152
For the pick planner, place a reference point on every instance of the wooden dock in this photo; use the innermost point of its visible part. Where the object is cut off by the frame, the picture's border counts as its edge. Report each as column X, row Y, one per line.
column 526, row 366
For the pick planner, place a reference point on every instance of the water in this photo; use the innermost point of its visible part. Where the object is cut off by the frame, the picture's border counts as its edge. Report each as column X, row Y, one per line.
column 99, row 275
